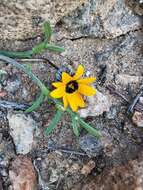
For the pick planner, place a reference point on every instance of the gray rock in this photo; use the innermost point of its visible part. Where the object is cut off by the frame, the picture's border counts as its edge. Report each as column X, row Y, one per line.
column 25, row 93
column 91, row 145
column 18, row 18
column 96, row 105
column 13, row 85
column 141, row 100
column 101, row 18
column 112, row 113
column 22, row 130
column 120, row 20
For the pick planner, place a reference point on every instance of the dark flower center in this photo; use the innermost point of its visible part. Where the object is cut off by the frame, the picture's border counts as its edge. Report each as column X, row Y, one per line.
column 71, row 86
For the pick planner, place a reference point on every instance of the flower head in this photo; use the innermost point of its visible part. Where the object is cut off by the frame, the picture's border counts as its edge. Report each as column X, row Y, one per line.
column 71, row 89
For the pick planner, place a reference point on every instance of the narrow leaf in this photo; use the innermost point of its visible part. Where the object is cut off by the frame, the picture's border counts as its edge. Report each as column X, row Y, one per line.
column 90, row 129
column 54, row 122
column 35, row 104
column 13, row 54
column 39, row 48
column 47, row 30
column 29, row 67
column 55, row 48
column 45, row 91
column 75, row 126
column 44, row 45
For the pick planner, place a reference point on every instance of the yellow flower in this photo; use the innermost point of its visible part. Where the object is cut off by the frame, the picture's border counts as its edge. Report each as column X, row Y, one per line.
column 72, row 88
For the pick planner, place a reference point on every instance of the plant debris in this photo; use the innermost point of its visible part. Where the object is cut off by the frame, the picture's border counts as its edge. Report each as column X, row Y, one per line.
column 135, row 105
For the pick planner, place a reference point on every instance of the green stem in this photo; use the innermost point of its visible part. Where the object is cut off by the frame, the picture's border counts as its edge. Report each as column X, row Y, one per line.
column 45, row 91
column 15, row 54
column 35, row 79
column 54, row 122
column 85, row 125
column 54, row 48
column 36, row 104
column 90, row 129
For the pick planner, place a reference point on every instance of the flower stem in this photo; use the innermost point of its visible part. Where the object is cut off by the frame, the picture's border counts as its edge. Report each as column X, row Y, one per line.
column 46, row 92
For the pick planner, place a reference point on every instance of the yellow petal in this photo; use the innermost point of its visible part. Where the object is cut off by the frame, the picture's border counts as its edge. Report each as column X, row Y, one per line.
column 58, row 93
column 81, row 102
column 66, row 77
column 86, row 80
column 79, row 72
column 57, row 84
column 65, row 101
column 72, row 100
column 86, row 90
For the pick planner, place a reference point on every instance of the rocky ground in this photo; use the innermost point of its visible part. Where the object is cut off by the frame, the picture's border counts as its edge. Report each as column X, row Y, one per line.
column 107, row 38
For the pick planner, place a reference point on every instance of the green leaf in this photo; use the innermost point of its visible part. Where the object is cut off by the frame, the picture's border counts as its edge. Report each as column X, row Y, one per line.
column 44, row 45
column 14, row 54
column 45, row 90
column 39, row 48
column 90, row 129
column 35, row 104
column 54, row 122
column 47, row 30
column 55, row 48
column 75, row 126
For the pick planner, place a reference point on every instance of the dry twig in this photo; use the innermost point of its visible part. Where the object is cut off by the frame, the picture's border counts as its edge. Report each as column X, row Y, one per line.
column 135, row 105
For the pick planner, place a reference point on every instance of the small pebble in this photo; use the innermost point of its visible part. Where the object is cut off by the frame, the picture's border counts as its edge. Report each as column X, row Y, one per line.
column 138, row 118
column 91, row 145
